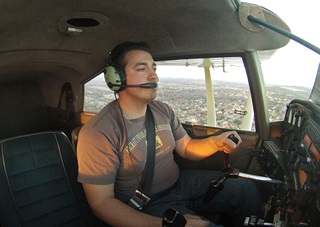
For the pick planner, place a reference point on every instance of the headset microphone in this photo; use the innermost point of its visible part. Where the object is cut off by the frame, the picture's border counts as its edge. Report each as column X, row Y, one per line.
column 145, row 85
column 148, row 85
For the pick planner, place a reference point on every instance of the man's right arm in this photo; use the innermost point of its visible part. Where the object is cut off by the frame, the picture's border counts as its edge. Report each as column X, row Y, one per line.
column 114, row 212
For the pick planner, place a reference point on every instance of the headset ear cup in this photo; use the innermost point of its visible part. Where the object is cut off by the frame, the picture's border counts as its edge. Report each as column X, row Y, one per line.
column 114, row 77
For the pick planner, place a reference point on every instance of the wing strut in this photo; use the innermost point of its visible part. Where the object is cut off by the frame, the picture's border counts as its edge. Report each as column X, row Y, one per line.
column 211, row 114
column 248, row 117
column 284, row 33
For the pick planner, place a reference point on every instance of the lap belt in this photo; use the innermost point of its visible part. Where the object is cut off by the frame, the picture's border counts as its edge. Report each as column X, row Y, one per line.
column 158, row 195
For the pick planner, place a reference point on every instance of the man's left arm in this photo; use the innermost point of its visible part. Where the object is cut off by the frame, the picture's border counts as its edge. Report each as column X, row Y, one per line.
column 197, row 149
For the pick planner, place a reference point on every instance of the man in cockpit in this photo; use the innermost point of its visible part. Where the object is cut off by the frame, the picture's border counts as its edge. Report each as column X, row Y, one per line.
column 113, row 151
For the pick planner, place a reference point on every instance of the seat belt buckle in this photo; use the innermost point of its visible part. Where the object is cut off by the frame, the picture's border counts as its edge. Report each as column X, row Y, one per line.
column 138, row 200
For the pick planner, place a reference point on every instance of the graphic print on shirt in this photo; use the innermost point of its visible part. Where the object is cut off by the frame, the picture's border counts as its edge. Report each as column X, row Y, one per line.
column 142, row 135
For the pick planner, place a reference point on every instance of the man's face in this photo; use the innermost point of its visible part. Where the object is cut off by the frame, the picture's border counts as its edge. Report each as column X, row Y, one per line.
column 140, row 68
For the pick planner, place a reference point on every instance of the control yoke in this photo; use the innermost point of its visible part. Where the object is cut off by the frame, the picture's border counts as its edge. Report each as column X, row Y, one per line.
column 217, row 185
column 228, row 172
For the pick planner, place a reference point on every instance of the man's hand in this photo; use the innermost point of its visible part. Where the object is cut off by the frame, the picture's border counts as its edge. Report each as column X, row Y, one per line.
column 195, row 221
column 197, row 149
column 225, row 144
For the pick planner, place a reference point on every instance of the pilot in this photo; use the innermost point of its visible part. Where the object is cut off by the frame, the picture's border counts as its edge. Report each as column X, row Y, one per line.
column 113, row 153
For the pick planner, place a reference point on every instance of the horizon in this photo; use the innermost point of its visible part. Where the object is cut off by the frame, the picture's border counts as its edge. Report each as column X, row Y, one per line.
column 100, row 80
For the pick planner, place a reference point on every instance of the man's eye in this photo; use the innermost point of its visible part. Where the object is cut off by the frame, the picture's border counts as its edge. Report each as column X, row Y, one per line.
column 140, row 69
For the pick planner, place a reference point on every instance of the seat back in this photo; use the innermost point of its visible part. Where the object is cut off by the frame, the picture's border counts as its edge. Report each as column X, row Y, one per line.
column 38, row 183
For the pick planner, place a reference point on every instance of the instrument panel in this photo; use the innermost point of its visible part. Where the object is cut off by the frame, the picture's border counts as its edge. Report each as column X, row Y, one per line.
column 302, row 137
column 295, row 159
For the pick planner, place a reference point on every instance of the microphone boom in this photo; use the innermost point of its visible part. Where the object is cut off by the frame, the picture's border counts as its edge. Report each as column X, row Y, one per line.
column 145, row 85
column 148, row 85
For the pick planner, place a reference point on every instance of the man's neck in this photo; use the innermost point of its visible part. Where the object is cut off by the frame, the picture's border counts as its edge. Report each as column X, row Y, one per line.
column 132, row 109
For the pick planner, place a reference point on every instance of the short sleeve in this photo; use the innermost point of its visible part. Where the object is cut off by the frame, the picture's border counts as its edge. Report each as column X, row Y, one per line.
column 97, row 158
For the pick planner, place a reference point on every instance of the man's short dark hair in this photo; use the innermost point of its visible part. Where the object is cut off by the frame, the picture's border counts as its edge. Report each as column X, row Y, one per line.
column 117, row 55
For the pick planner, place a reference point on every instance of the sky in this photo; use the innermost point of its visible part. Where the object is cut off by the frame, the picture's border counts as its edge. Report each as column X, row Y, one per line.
column 293, row 64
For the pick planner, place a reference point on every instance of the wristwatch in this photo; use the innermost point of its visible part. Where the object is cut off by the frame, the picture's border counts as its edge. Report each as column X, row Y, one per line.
column 172, row 218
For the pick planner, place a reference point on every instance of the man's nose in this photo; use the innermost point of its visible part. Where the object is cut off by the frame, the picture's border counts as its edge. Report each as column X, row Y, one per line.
column 153, row 75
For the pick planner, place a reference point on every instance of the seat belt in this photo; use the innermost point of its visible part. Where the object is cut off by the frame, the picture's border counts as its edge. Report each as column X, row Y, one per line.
column 141, row 198
column 147, row 175
column 65, row 115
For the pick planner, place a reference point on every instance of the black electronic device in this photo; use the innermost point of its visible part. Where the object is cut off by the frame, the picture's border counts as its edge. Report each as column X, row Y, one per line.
column 173, row 218
column 226, row 156
column 233, row 138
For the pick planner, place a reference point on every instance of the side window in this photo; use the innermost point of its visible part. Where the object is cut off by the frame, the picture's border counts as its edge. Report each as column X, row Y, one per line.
column 212, row 92
column 96, row 94
column 209, row 92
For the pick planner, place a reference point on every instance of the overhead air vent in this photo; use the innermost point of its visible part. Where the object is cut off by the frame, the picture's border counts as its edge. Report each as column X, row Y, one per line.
column 83, row 22
column 76, row 23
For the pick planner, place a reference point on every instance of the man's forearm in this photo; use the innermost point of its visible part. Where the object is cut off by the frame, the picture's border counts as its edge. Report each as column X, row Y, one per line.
column 116, row 213
column 198, row 149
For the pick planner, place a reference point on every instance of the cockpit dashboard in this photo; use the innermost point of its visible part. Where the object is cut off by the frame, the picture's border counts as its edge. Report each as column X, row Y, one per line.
column 295, row 160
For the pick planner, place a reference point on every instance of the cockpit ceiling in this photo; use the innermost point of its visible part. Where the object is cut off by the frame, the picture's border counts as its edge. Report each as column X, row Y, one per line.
column 92, row 27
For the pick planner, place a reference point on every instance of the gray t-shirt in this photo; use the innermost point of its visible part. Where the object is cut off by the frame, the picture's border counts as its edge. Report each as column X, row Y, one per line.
column 104, row 151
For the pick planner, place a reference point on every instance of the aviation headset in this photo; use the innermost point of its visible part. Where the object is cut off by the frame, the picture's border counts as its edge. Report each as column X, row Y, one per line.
column 115, row 75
